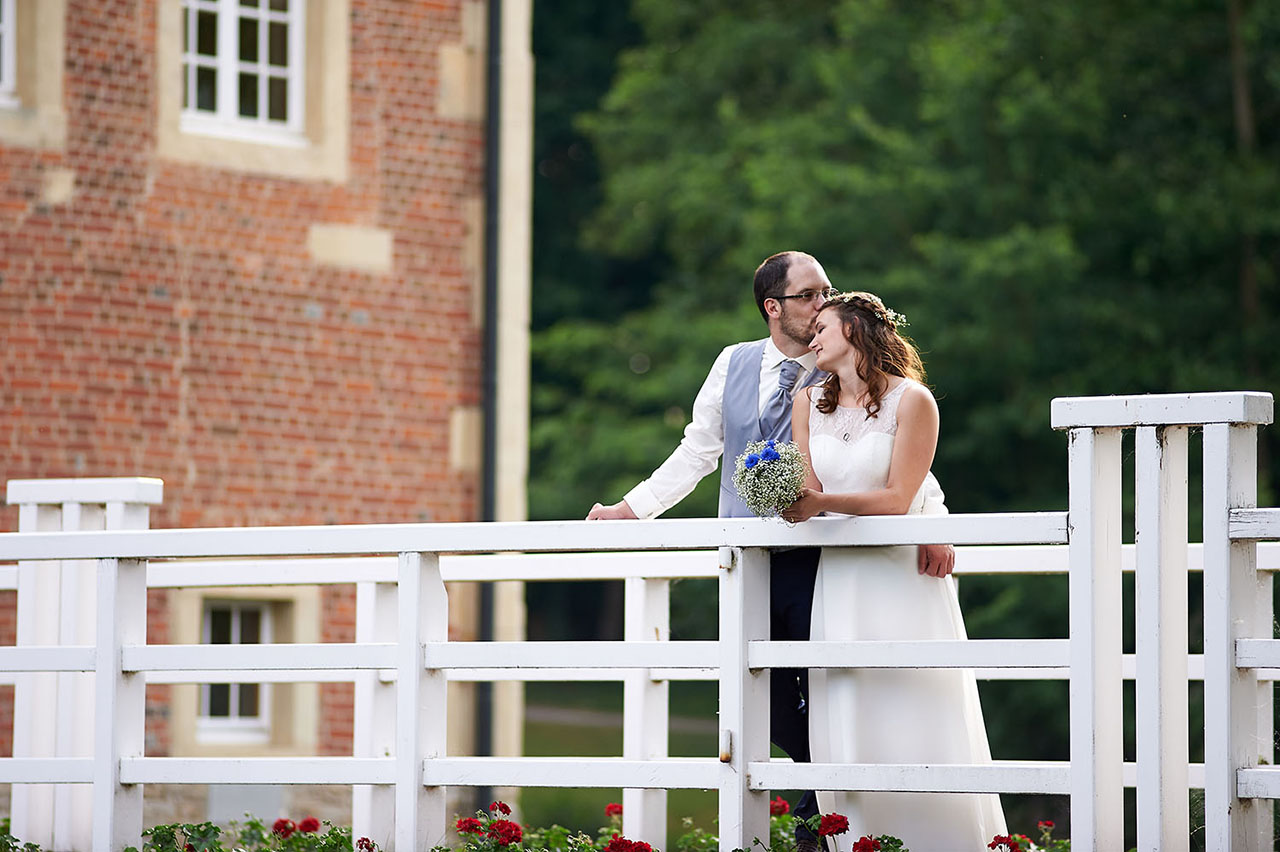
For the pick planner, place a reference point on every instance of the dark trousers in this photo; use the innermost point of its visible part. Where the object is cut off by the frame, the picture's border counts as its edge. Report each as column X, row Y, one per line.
column 791, row 578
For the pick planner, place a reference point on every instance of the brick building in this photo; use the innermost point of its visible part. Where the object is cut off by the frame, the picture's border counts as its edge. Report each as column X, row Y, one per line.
column 244, row 249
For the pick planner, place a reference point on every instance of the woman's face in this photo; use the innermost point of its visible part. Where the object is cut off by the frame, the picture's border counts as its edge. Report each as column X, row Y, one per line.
column 830, row 343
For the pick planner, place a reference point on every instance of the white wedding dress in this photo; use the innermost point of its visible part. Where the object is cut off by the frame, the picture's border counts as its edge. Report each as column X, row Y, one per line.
column 911, row 716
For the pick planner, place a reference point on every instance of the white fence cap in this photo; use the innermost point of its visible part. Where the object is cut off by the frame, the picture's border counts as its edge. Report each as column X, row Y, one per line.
column 1161, row 409
column 115, row 489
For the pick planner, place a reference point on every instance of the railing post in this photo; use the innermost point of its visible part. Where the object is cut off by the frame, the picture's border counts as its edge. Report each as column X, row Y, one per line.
column 744, row 696
column 54, row 713
column 1160, row 538
column 1096, row 698
column 645, row 708
column 421, row 703
column 1231, row 609
column 120, row 703
column 373, row 807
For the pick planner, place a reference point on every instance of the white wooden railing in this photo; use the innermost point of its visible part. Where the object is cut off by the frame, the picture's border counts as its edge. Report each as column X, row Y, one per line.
column 401, row 663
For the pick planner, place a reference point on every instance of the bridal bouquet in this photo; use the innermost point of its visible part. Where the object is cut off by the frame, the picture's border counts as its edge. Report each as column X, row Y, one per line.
column 769, row 475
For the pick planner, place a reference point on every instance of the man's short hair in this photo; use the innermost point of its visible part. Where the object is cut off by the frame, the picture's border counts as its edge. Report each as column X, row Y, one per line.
column 771, row 276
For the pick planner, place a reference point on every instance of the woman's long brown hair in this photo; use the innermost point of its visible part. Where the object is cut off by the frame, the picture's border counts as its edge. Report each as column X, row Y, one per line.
column 873, row 330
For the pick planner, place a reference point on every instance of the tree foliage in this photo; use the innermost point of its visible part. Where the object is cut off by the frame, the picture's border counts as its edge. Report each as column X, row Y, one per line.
column 1064, row 199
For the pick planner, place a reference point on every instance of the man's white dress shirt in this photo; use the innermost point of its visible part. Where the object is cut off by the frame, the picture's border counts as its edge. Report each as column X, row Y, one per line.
column 703, row 442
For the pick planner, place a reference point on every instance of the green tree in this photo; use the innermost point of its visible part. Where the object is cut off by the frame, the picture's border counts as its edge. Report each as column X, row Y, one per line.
column 1064, row 198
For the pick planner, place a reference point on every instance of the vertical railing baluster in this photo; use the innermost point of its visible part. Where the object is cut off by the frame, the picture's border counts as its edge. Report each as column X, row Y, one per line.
column 35, row 695
column 645, row 707
column 421, row 702
column 744, row 696
column 1231, row 587
column 1160, row 538
column 120, row 703
column 373, row 807
column 1096, row 698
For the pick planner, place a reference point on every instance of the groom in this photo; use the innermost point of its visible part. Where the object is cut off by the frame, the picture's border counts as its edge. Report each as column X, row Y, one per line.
column 747, row 397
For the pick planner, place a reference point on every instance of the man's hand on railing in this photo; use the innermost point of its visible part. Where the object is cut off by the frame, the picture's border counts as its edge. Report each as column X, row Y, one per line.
column 936, row 560
column 619, row 511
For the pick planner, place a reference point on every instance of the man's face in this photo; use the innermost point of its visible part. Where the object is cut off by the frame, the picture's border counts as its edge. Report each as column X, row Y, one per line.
column 797, row 315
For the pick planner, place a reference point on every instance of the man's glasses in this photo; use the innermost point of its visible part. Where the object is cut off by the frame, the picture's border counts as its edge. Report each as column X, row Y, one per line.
column 809, row 295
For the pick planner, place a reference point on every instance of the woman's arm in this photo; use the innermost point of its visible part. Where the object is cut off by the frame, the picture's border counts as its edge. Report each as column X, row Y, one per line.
column 913, row 450
column 800, row 434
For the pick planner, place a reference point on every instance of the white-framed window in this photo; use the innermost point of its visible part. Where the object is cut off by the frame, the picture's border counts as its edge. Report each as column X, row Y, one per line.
column 243, row 69
column 8, row 53
column 235, row 712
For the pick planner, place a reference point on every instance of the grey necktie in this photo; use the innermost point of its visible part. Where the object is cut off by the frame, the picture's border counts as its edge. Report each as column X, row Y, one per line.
column 775, row 420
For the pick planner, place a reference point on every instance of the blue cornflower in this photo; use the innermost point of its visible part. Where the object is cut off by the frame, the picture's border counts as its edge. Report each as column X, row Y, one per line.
column 751, row 461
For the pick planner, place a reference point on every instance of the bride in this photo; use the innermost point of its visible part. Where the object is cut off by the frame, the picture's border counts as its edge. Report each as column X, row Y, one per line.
column 870, row 432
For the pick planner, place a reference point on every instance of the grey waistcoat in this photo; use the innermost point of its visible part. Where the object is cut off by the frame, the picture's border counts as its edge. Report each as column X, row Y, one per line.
column 740, row 412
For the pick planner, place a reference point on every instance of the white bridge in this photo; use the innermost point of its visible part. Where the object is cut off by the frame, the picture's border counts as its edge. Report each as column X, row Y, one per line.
column 403, row 658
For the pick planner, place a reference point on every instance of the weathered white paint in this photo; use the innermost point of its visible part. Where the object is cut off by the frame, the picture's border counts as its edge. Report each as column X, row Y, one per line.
column 1160, row 409
column 744, row 695
column 1160, row 536
column 1254, row 523
column 1097, row 803
column 645, row 705
column 56, row 605
column 421, row 703
column 373, row 808
column 544, row 537
column 119, row 708
column 30, row 658
column 1230, row 694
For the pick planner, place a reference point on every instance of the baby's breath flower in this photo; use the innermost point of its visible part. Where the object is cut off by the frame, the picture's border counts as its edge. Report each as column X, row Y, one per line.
column 769, row 476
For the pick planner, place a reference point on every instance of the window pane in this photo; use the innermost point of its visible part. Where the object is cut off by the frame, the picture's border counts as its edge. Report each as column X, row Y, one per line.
column 277, row 99
column 186, row 24
column 186, row 85
column 253, row 3
column 248, row 701
column 206, row 89
column 249, row 95
column 220, row 626
column 220, row 700
column 248, row 40
column 279, row 5
column 278, row 46
column 250, row 626
column 207, row 33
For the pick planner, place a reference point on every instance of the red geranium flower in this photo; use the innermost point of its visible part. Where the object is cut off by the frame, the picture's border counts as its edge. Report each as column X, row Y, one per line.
column 833, row 824
column 779, row 806
column 364, row 844
column 866, row 844
column 1045, row 825
column 500, row 807
column 1005, row 842
column 309, row 825
column 622, row 844
column 504, row 831
column 283, row 827
column 613, row 809
column 469, row 825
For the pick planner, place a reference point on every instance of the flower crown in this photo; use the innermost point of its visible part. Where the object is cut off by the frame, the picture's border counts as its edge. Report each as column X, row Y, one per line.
column 872, row 304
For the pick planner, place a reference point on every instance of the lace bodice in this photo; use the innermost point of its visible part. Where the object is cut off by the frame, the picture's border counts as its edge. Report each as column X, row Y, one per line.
column 849, row 425
column 851, row 451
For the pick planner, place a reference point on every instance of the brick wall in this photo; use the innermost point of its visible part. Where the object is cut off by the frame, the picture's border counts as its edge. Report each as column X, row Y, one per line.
column 169, row 320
